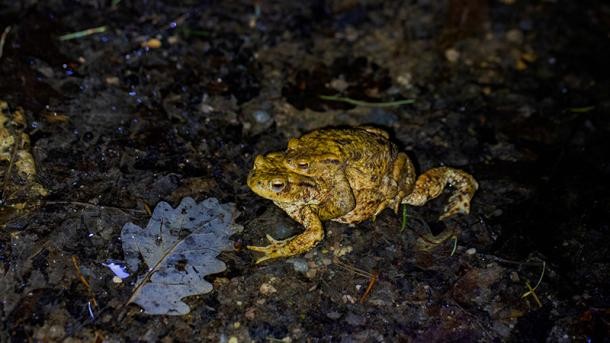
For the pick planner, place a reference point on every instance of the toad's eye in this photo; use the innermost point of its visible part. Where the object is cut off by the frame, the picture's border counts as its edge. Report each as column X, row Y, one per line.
column 277, row 186
column 302, row 165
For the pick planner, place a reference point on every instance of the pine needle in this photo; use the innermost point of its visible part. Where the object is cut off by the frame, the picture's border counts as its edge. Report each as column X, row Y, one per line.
column 3, row 39
column 366, row 103
column 84, row 33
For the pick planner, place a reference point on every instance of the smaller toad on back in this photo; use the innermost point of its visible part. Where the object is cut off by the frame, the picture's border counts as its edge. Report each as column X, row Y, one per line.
column 347, row 175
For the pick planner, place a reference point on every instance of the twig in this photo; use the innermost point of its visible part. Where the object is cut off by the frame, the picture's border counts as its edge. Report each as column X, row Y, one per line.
column 454, row 238
column 84, row 33
column 503, row 260
column 531, row 291
column 369, row 288
column 366, row 103
column 352, row 269
column 83, row 280
column 581, row 109
column 3, row 39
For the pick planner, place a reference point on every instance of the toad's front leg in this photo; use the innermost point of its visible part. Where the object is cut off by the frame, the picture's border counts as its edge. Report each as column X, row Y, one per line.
column 296, row 245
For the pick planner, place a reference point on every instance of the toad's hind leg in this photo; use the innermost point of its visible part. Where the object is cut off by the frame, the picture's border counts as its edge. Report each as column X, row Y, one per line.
column 430, row 184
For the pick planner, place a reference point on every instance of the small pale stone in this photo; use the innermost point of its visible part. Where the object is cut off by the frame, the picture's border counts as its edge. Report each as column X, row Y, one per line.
column 112, row 80
column 471, row 251
column 452, row 55
column 311, row 273
column 173, row 39
column 267, row 289
column 343, row 251
column 261, row 116
column 339, row 85
column 348, row 299
column 299, row 264
column 333, row 315
column 250, row 313
column 514, row 36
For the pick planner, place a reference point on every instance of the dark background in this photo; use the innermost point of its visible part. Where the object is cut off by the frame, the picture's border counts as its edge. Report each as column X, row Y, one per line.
column 515, row 92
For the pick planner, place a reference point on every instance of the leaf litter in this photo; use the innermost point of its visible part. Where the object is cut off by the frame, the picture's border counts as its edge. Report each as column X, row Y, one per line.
column 19, row 186
column 179, row 248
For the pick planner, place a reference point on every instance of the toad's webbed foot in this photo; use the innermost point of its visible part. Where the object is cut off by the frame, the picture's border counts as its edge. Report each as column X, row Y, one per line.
column 295, row 245
column 277, row 248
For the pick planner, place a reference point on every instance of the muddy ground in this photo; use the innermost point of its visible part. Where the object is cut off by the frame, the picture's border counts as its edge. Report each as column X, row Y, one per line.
column 176, row 100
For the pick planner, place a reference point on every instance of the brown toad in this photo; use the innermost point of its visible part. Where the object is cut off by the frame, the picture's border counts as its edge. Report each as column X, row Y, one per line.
column 347, row 175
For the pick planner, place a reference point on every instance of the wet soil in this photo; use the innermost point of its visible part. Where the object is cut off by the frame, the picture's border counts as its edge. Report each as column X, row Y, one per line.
column 514, row 92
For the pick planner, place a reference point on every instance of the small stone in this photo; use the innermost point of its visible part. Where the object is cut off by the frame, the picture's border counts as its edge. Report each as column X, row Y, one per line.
column 261, row 117
column 233, row 339
column 471, row 251
column 339, row 84
column 311, row 273
column 299, row 264
column 514, row 277
column 348, row 299
column 354, row 319
column 173, row 39
column 514, row 36
column 250, row 313
column 452, row 55
column 267, row 289
column 333, row 315
column 343, row 251
column 405, row 80
column 112, row 80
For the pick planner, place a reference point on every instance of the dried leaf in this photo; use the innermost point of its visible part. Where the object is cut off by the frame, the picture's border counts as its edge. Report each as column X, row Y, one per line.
column 17, row 167
column 179, row 247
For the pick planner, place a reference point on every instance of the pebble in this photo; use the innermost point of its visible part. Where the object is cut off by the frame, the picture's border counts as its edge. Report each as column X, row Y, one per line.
column 348, row 299
column 299, row 264
column 343, row 251
column 250, row 313
column 261, row 117
column 514, row 36
column 354, row 319
column 471, row 251
column 339, row 85
column 452, row 55
column 267, row 289
column 333, row 315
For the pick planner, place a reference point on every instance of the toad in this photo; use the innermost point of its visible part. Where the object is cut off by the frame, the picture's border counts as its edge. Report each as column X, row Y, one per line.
column 347, row 175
